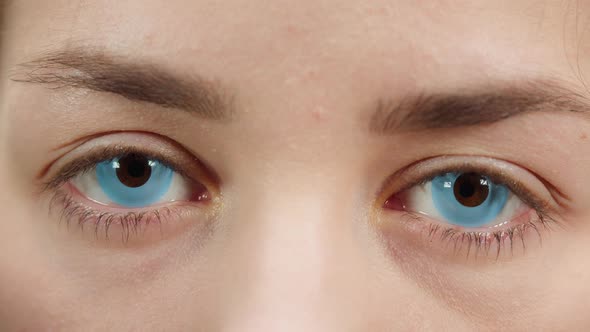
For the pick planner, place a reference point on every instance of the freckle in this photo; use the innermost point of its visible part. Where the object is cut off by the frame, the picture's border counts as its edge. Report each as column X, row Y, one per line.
column 319, row 114
column 149, row 39
column 293, row 30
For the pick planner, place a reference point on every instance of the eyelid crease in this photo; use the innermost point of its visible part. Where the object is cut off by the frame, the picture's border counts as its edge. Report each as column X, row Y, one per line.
column 81, row 140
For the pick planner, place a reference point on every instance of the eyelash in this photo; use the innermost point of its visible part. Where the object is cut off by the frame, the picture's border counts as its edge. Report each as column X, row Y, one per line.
column 484, row 239
column 132, row 222
column 473, row 241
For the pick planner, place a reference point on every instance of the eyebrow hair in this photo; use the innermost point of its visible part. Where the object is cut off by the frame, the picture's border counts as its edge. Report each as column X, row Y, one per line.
column 141, row 82
column 480, row 107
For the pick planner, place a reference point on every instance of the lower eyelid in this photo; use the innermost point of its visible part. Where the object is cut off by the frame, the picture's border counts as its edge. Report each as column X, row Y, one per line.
column 125, row 226
column 405, row 229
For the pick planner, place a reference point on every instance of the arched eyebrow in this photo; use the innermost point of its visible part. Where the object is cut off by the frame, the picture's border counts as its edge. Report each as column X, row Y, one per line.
column 482, row 106
column 136, row 81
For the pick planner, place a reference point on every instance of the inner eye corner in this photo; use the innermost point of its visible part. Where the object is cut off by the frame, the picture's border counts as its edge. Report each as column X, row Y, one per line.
column 392, row 202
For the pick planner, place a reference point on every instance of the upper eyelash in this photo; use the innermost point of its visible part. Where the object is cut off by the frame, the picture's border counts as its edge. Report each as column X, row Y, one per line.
column 100, row 154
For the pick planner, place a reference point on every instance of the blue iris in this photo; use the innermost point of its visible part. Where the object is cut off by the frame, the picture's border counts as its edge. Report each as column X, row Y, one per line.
column 468, row 200
column 134, row 181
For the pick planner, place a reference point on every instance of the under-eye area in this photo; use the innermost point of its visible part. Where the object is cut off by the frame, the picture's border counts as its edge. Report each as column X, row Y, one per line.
column 471, row 206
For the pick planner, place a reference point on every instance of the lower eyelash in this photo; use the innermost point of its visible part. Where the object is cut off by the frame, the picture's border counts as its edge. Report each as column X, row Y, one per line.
column 131, row 223
column 476, row 242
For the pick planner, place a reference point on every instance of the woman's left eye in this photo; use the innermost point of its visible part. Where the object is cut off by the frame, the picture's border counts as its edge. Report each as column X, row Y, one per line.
column 134, row 181
column 468, row 200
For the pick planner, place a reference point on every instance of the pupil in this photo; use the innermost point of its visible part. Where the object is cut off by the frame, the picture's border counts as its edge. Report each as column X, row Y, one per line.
column 134, row 170
column 466, row 190
column 471, row 189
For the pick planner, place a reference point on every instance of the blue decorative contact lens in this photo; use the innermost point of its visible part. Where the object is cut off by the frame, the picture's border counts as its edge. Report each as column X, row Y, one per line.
column 134, row 180
column 468, row 199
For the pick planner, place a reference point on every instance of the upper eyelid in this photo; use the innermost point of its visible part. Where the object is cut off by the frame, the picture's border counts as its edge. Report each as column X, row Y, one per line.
column 185, row 162
column 523, row 192
column 97, row 155
column 74, row 144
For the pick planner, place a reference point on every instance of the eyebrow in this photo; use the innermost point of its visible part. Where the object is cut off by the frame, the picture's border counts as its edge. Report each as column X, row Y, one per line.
column 133, row 80
column 147, row 82
column 480, row 107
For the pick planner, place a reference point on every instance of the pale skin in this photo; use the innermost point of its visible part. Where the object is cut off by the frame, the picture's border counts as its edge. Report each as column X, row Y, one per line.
column 295, row 237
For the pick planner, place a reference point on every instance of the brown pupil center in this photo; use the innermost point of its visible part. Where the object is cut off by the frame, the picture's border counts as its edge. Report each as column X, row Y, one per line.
column 471, row 189
column 134, row 170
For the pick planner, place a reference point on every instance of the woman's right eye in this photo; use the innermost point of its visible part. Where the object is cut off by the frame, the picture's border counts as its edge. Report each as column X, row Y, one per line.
column 135, row 181
column 121, row 184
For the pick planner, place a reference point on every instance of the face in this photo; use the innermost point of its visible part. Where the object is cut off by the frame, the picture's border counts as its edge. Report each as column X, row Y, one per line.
column 282, row 166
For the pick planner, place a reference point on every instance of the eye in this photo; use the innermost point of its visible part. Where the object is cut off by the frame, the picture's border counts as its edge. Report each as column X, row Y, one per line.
column 468, row 200
column 136, row 181
column 136, row 186
column 478, row 204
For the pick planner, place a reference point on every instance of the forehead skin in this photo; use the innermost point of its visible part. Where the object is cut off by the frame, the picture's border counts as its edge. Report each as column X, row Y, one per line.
column 304, row 73
column 321, row 42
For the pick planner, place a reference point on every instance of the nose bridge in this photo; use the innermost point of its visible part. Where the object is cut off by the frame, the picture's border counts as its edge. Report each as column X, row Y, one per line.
column 296, row 250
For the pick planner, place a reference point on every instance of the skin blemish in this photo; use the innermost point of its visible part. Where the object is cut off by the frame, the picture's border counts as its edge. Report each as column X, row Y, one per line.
column 293, row 29
column 319, row 114
column 584, row 136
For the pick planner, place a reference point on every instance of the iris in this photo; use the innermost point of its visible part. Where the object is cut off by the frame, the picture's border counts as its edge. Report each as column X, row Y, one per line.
column 134, row 180
column 468, row 199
